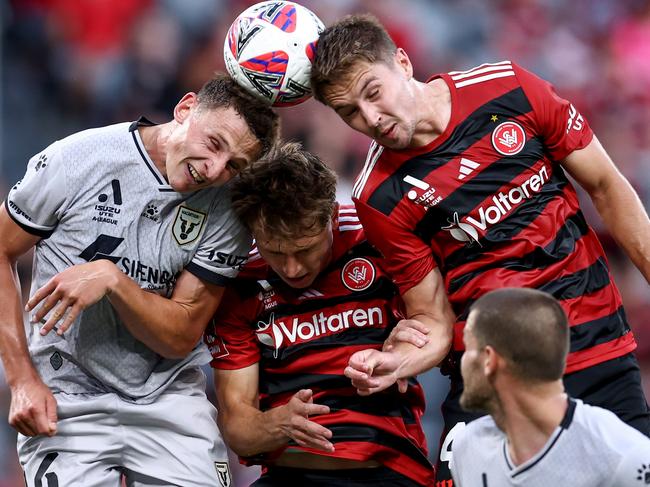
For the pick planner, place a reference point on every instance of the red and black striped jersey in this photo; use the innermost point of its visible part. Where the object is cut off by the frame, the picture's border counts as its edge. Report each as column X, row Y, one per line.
column 488, row 203
column 303, row 338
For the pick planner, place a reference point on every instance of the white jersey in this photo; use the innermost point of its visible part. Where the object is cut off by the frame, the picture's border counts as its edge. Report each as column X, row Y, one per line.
column 97, row 195
column 592, row 447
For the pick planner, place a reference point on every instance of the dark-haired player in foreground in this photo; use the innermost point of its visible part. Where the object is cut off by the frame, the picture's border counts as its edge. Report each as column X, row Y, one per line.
column 464, row 190
column 313, row 293
column 516, row 344
column 130, row 224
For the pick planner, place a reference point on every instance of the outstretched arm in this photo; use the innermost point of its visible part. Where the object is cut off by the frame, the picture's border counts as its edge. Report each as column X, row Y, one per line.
column 249, row 431
column 170, row 326
column 428, row 307
column 33, row 407
column 615, row 199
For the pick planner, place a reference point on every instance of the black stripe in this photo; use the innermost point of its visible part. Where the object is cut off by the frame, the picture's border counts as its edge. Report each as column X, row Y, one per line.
column 146, row 161
column 355, row 432
column 33, row 231
column 542, row 456
column 562, row 246
column 273, row 384
column 487, row 182
column 370, row 335
column 503, row 233
column 391, row 191
column 208, row 276
column 568, row 416
column 585, row 281
column 600, row 330
column 394, row 405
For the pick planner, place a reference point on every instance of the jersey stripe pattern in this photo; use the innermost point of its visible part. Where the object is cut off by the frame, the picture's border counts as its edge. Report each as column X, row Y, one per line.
column 488, row 203
column 303, row 338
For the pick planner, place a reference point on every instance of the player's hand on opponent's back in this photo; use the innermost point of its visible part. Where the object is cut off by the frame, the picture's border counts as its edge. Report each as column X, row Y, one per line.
column 373, row 371
column 70, row 292
column 33, row 407
column 294, row 422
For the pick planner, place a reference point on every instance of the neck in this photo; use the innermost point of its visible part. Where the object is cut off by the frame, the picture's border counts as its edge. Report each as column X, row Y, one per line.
column 529, row 415
column 434, row 111
column 154, row 139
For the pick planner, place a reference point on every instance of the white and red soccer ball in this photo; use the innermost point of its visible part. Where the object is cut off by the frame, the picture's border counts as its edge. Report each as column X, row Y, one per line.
column 269, row 49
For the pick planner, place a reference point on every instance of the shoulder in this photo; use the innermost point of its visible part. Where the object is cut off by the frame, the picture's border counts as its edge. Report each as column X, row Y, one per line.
column 476, row 434
column 608, row 430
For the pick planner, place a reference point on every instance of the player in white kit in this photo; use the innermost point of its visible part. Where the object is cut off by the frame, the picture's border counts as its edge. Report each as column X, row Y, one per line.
column 134, row 240
column 517, row 342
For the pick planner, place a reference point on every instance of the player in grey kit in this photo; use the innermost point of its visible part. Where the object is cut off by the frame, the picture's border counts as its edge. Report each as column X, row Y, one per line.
column 134, row 240
column 516, row 345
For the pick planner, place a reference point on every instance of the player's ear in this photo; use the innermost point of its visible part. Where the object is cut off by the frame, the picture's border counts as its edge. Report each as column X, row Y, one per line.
column 490, row 361
column 403, row 62
column 183, row 107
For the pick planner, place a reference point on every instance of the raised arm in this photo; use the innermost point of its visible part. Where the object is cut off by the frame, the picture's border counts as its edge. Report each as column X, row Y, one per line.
column 249, row 431
column 33, row 407
column 428, row 308
column 616, row 201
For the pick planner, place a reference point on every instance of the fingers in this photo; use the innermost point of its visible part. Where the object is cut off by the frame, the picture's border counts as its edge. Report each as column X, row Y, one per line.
column 39, row 295
column 402, row 385
column 52, row 417
column 54, row 318
column 311, row 435
column 410, row 335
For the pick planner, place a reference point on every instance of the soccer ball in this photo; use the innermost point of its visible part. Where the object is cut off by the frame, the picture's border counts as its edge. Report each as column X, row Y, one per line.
column 269, row 49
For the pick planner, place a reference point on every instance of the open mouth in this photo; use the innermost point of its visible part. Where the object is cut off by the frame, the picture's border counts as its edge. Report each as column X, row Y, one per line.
column 195, row 175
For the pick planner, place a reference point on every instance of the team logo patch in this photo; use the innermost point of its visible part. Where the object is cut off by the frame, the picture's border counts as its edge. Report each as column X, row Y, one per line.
column 187, row 225
column 223, row 472
column 508, row 138
column 358, row 274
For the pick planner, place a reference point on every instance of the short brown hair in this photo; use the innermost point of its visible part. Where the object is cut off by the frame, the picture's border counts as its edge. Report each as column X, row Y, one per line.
column 285, row 194
column 223, row 91
column 527, row 327
column 353, row 39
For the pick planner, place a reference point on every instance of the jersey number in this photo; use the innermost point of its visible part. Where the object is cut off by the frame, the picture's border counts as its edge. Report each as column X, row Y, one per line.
column 446, row 448
column 52, row 479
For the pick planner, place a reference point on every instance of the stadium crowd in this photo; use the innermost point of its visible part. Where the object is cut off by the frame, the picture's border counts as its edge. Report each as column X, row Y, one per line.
column 68, row 65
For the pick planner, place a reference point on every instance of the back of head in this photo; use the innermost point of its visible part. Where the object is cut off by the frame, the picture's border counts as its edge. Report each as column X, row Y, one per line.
column 287, row 193
column 353, row 39
column 527, row 327
column 223, row 92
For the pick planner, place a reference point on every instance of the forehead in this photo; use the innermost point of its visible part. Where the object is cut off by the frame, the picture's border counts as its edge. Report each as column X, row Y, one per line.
column 230, row 129
column 349, row 86
column 288, row 245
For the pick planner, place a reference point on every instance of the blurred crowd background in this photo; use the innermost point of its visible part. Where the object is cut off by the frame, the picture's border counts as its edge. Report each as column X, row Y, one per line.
column 73, row 64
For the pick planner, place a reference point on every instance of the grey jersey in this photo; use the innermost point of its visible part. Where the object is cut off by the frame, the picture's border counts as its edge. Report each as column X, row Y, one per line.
column 592, row 447
column 97, row 195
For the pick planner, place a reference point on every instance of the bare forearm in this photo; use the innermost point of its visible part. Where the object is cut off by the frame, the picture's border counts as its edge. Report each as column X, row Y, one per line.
column 250, row 432
column 13, row 344
column 414, row 360
column 159, row 322
column 627, row 221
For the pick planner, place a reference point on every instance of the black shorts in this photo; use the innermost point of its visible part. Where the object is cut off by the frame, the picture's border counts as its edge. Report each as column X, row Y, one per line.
column 366, row 477
column 614, row 385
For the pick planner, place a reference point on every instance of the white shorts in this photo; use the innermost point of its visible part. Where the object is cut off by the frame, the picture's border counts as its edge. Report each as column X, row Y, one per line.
column 173, row 441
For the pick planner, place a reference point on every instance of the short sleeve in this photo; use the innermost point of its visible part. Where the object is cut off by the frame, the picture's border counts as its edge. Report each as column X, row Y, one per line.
column 634, row 467
column 37, row 202
column 229, row 337
column 224, row 247
column 561, row 125
column 407, row 258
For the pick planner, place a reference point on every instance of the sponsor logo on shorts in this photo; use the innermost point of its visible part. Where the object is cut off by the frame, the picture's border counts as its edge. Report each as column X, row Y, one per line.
column 508, row 138
column 358, row 274
column 187, row 225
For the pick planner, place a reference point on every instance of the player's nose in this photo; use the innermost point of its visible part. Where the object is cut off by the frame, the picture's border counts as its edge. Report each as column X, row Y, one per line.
column 215, row 168
column 292, row 267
